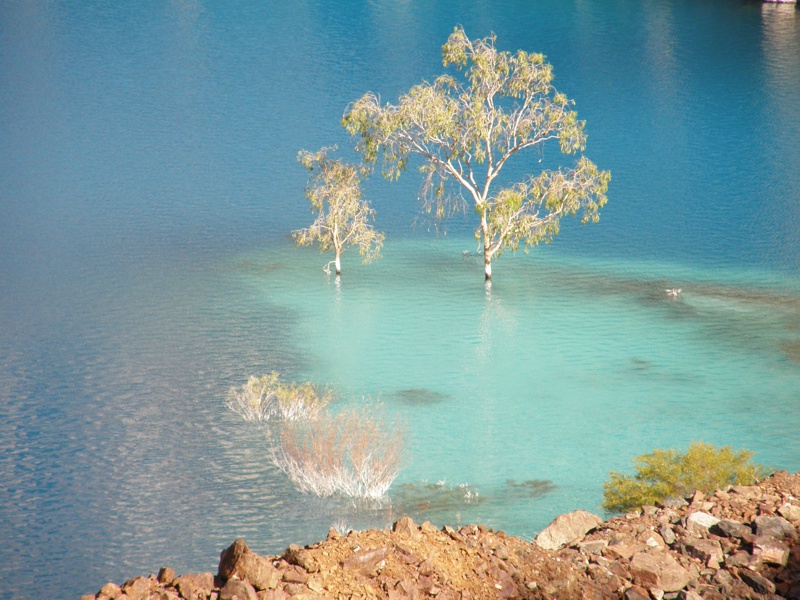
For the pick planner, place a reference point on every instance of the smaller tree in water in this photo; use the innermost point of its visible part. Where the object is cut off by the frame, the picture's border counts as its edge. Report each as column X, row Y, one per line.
column 343, row 216
column 466, row 129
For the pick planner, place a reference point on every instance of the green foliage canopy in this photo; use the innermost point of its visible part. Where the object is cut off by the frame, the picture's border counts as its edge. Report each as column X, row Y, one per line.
column 467, row 128
column 343, row 216
column 666, row 474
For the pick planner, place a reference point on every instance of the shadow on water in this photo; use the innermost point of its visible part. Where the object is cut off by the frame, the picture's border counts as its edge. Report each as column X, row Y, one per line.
column 419, row 396
column 791, row 350
column 424, row 498
column 640, row 365
column 655, row 291
column 532, row 488
column 443, row 503
column 440, row 502
column 739, row 315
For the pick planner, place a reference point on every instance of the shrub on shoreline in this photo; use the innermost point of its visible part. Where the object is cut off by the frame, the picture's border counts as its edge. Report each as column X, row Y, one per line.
column 666, row 474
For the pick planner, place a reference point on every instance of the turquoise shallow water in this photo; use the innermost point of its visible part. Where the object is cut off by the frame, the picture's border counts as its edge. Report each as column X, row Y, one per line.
column 148, row 185
column 561, row 372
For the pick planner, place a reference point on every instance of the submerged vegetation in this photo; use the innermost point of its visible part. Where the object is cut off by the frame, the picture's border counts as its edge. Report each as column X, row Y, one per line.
column 355, row 454
column 666, row 474
column 425, row 497
column 443, row 502
column 531, row 488
column 420, row 396
column 267, row 398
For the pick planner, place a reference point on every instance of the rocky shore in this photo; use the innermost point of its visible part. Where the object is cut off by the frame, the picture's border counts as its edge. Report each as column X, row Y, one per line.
column 743, row 542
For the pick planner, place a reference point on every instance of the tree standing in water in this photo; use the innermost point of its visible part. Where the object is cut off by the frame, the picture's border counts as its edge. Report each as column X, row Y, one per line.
column 343, row 216
column 467, row 129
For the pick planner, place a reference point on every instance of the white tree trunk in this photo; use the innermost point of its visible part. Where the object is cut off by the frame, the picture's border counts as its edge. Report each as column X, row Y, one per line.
column 338, row 264
column 487, row 249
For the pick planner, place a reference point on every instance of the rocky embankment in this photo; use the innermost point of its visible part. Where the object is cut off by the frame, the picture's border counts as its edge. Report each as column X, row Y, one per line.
column 743, row 542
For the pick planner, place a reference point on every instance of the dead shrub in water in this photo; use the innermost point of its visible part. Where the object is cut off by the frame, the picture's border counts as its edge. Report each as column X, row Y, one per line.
column 267, row 398
column 355, row 454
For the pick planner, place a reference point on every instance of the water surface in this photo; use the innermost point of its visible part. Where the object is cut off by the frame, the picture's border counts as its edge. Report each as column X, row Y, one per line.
column 148, row 184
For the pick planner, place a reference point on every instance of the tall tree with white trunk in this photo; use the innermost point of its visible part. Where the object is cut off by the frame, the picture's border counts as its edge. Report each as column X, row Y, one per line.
column 467, row 127
column 344, row 218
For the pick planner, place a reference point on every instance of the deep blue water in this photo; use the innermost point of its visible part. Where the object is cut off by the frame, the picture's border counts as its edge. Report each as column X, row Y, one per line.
column 148, row 184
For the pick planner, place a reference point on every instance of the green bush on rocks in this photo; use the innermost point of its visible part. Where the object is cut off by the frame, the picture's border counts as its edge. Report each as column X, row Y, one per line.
column 666, row 474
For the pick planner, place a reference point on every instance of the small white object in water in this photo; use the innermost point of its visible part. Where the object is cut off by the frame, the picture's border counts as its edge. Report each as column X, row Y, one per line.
column 674, row 292
column 465, row 252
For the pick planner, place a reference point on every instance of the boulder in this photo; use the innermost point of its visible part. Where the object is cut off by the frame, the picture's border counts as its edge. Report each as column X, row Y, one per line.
column 667, row 534
column 709, row 551
column 315, row 585
column 748, row 492
column 698, row 523
column 723, row 577
column 658, row 570
column 567, row 529
column 769, row 550
column 636, row 593
column 652, row 539
column 236, row 589
column 429, row 528
column 732, row 529
column 407, row 528
column 139, row 588
column 593, row 547
column 293, row 590
column 775, row 527
column 194, row 586
column 110, row 589
column 758, row 583
column 297, row 555
column 790, row 512
column 295, row 575
column 741, row 558
column 673, row 503
column 623, row 549
column 238, row 561
column 366, row 561
column 166, row 576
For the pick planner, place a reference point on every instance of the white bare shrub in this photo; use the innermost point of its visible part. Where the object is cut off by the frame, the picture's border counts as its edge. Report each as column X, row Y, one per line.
column 355, row 454
column 267, row 398
column 301, row 401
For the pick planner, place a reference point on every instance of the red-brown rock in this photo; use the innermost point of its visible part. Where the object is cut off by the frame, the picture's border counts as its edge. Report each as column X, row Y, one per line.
column 567, row 529
column 366, row 561
column 238, row 561
column 658, row 570
column 237, row 589
column 195, row 586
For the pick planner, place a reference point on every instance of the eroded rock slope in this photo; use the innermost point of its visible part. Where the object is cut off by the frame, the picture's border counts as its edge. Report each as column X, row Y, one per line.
column 743, row 542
